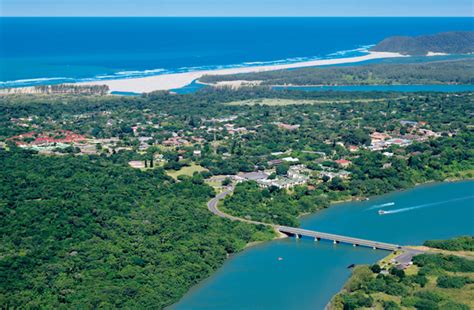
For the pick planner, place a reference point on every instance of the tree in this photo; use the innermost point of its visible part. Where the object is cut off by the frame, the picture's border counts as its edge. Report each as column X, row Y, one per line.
column 375, row 268
column 282, row 169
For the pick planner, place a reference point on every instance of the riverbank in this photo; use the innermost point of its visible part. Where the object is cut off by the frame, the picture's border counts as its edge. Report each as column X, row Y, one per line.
column 443, row 278
column 179, row 80
column 256, row 273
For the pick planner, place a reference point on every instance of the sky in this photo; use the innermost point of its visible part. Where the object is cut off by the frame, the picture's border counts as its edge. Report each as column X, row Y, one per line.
column 236, row 7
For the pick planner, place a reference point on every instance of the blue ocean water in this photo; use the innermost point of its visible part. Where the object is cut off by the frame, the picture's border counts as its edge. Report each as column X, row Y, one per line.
column 56, row 50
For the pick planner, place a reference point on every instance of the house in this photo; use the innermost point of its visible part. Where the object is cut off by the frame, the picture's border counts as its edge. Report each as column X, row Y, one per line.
column 287, row 126
column 175, row 141
column 408, row 123
column 138, row 164
column 197, row 153
column 274, row 162
column 399, row 142
column 429, row 133
column 353, row 148
column 254, row 176
column 331, row 174
column 60, row 136
column 379, row 136
column 343, row 162
column 290, row 159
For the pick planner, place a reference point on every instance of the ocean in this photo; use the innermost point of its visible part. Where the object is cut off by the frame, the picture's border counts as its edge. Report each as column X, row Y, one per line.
column 37, row 51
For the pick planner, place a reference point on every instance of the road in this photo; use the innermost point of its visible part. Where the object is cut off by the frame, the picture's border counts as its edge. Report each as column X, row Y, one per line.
column 212, row 205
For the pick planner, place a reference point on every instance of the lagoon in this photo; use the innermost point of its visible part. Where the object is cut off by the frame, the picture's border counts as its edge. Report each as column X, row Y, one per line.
column 312, row 272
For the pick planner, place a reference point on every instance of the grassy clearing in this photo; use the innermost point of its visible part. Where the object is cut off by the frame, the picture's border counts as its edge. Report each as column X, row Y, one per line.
column 465, row 254
column 188, row 171
column 283, row 102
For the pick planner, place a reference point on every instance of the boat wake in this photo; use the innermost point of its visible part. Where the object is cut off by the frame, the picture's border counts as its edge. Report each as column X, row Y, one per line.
column 426, row 205
column 388, row 204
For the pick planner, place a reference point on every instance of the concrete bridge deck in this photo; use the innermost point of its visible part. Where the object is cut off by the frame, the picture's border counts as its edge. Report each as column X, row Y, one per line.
column 298, row 232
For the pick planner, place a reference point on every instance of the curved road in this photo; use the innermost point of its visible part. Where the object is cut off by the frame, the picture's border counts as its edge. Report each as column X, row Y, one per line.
column 213, row 203
column 212, row 206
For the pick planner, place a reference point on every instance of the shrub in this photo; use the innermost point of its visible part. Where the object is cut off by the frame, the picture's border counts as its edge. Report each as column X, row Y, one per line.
column 430, row 295
column 451, row 305
column 456, row 244
column 375, row 268
column 397, row 272
column 390, row 305
column 356, row 301
column 452, row 281
column 426, row 304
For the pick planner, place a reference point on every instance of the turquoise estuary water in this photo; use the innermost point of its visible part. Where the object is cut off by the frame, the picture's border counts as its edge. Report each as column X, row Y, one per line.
column 312, row 272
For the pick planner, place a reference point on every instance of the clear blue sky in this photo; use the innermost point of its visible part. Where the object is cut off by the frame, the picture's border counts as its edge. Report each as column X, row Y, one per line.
column 236, row 8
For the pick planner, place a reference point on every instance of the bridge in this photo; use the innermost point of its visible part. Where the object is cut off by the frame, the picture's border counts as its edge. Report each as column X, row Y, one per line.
column 299, row 232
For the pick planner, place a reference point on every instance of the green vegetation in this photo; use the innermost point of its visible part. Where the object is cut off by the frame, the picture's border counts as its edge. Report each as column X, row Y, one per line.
column 435, row 285
column 464, row 243
column 272, row 205
column 368, row 177
column 445, row 42
column 186, row 171
column 85, row 232
column 279, row 102
column 439, row 72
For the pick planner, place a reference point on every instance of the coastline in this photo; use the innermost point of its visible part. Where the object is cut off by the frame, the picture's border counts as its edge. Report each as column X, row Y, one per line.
column 179, row 80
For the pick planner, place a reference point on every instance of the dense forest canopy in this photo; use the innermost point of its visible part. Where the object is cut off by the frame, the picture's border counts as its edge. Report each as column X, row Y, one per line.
column 82, row 230
column 436, row 72
column 460, row 42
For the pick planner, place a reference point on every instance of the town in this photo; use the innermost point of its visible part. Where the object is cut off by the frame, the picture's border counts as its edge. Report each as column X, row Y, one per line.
column 243, row 146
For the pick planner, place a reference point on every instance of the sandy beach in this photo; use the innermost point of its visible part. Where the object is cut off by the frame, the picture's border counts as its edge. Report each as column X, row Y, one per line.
column 178, row 80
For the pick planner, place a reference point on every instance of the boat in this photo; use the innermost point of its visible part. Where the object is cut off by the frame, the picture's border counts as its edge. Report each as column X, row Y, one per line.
column 381, row 212
column 280, row 258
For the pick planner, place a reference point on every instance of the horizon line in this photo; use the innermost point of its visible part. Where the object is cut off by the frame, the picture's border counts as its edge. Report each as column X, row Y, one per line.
column 229, row 16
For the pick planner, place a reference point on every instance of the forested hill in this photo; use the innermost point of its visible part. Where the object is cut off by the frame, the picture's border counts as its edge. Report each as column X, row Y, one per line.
column 86, row 233
column 445, row 42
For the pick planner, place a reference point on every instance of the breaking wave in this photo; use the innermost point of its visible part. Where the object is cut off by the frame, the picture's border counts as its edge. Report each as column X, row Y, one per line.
column 159, row 71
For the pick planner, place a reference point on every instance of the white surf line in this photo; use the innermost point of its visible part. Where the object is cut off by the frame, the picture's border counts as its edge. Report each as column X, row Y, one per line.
column 426, row 205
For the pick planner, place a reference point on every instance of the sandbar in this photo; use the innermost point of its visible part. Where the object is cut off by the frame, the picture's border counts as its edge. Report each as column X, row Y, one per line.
column 178, row 80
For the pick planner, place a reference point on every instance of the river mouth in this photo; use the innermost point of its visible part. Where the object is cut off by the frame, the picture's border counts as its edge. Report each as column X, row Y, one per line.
column 309, row 273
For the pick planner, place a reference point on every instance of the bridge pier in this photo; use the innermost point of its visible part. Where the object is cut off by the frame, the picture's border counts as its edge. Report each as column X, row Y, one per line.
column 298, row 233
